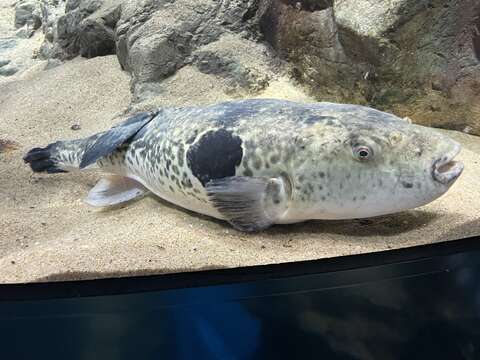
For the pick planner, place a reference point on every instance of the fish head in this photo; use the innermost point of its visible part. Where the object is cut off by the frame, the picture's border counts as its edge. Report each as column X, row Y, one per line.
column 362, row 168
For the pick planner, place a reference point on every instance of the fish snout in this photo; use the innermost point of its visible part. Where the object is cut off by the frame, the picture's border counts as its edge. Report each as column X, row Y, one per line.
column 445, row 169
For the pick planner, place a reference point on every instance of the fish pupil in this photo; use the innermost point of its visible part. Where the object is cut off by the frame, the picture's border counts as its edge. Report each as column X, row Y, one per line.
column 362, row 152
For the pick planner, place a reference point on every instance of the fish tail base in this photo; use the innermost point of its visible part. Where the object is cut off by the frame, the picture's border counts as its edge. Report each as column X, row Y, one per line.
column 44, row 160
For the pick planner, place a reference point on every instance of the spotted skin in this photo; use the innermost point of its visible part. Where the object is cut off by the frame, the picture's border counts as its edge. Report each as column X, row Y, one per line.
column 169, row 158
column 180, row 150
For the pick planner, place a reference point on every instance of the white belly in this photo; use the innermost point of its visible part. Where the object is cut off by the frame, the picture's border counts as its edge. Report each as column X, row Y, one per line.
column 199, row 205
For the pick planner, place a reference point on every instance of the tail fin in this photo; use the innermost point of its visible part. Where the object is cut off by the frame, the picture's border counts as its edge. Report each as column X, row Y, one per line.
column 63, row 156
column 57, row 157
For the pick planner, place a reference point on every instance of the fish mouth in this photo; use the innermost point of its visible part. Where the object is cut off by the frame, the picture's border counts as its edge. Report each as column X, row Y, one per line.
column 446, row 170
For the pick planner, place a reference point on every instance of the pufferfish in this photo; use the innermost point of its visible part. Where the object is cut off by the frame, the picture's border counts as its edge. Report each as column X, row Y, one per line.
column 259, row 162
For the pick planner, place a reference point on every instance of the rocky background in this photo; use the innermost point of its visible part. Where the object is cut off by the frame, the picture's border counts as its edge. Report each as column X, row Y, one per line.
column 416, row 58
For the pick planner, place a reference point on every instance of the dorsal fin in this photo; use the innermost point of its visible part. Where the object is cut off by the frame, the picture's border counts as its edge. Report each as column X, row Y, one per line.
column 110, row 140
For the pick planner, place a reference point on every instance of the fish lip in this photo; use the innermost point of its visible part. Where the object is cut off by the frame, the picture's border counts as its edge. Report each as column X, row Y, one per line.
column 445, row 169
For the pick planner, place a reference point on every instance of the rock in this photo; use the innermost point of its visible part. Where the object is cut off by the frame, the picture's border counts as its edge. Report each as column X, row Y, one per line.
column 51, row 12
column 245, row 64
column 95, row 39
column 86, row 28
column 25, row 32
column 156, row 39
column 52, row 63
column 72, row 5
column 67, row 32
column 374, row 19
column 406, row 56
column 49, row 51
column 7, row 43
column 96, row 36
column 4, row 62
column 309, row 41
column 28, row 11
column 8, row 70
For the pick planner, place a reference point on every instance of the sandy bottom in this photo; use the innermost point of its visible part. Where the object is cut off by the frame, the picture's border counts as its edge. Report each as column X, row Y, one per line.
column 47, row 232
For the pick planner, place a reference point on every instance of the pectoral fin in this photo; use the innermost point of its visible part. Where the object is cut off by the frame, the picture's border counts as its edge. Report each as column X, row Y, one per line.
column 250, row 203
column 113, row 190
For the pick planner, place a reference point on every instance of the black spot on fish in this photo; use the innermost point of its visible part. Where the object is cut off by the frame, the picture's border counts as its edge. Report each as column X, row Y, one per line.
column 313, row 119
column 167, row 165
column 320, row 187
column 321, row 174
column 274, row 159
column 407, row 185
column 187, row 183
column 215, row 155
column 171, row 188
column 288, row 155
column 310, row 188
column 175, row 169
column 247, row 172
column 257, row 163
column 323, row 198
column 180, row 155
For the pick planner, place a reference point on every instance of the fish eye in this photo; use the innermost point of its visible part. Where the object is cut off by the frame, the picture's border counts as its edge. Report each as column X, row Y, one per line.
column 363, row 152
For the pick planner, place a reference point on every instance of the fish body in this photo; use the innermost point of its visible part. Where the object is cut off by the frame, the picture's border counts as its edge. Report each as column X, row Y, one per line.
column 259, row 162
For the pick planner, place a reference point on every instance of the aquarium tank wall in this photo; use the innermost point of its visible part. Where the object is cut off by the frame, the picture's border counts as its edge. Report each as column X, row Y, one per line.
column 169, row 136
